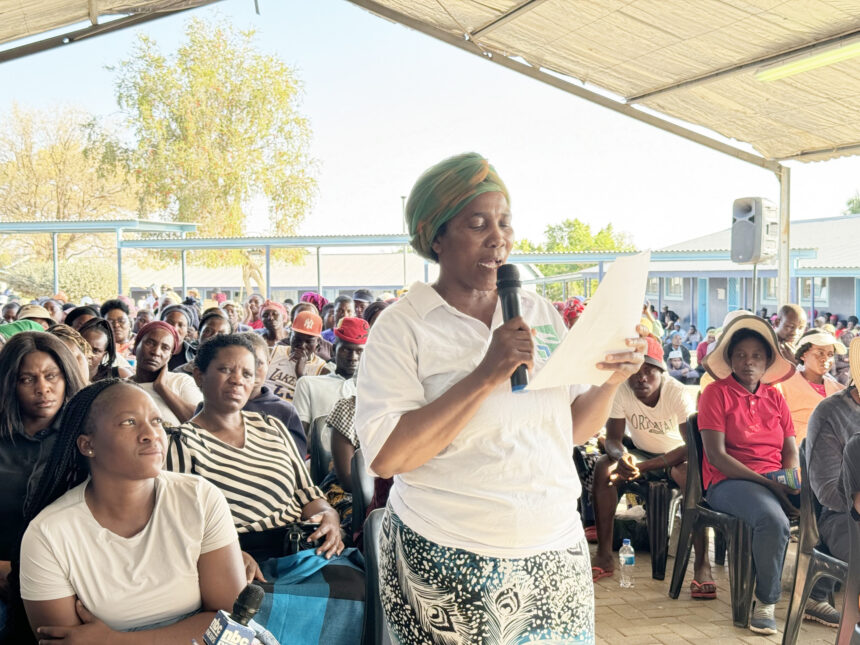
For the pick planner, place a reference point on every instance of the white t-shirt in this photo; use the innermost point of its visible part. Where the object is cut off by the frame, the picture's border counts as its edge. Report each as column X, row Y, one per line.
column 654, row 429
column 506, row 486
column 180, row 383
column 127, row 582
column 316, row 395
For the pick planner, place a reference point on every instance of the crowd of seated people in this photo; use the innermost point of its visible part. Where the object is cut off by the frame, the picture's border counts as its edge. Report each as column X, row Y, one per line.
column 185, row 422
column 223, row 401
column 767, row 384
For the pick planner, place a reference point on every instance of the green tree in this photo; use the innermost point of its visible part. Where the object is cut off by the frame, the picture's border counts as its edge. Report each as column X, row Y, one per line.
column 79, row 277
column 217, row 128
column 852, row 206
column 573, row 236
column 47, row 172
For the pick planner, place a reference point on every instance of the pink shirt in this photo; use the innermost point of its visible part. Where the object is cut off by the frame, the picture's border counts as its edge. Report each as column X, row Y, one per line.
column 755, row 425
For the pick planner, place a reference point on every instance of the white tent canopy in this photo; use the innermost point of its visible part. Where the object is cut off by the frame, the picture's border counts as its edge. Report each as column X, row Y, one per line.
column 23, row 20
column 695, row 61
column 690, row 68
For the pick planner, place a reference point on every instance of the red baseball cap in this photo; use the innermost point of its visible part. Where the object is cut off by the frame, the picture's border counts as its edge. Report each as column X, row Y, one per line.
column 308, row 323
column 654, row 353
column 352, row 330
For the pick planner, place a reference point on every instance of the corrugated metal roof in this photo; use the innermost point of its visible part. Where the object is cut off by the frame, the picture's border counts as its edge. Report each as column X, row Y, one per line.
column 694, row 61
column 337, row 270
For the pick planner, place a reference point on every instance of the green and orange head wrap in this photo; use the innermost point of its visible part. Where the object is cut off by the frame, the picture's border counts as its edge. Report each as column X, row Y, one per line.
column 442, row 192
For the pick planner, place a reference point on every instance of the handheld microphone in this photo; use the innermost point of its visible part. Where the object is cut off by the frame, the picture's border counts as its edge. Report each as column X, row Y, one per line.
column 508, row 285
column 233, row 629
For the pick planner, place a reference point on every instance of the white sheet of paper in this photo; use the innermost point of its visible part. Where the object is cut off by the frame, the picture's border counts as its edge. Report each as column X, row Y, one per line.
column 609, row 318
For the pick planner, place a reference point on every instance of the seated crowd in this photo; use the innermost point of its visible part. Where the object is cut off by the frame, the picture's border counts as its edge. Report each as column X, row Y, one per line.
column 165, row 444
column 156, row 458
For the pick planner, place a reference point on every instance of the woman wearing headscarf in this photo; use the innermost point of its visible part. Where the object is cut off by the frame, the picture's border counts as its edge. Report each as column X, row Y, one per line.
column 10, row 329
column 274, row 317
column 182, row 318
column 812, row 381
column 481, row 536
column 175, row 393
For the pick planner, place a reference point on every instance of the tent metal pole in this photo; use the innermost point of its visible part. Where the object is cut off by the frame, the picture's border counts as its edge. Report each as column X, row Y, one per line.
column 184, row 284
column 56, row 267
column 268, row 272
column 783, row 286
column 755, row 289
column 119, row 261
column 319, row 273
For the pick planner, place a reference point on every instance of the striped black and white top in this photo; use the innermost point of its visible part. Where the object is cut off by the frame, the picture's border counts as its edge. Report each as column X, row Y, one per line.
column 266, row 482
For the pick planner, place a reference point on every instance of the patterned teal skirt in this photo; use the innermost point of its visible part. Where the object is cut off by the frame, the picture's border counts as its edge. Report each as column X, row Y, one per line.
column 436, row 594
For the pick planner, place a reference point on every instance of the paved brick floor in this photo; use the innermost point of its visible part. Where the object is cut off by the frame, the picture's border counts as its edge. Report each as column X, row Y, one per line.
column 645, row 615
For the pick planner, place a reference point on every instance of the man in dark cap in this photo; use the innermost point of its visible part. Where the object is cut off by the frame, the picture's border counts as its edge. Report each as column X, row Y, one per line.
column 361, row 299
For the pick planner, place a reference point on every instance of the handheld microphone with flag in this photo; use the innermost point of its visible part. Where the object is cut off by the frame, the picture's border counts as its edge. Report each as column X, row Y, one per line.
column 233, row 629
column 508, row 285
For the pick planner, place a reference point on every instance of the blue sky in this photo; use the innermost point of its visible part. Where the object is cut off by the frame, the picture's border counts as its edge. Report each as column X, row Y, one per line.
column 385, row 102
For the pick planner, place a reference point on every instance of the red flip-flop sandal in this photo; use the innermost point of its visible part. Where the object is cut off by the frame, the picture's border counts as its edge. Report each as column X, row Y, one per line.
column 703, row 590
column 598, row 572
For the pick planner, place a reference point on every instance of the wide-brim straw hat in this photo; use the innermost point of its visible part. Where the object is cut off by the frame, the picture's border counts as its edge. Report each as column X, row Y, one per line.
column 854, row 360
column 719, row 366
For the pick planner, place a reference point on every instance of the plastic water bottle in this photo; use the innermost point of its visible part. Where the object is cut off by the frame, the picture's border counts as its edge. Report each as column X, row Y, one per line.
column 627, row 558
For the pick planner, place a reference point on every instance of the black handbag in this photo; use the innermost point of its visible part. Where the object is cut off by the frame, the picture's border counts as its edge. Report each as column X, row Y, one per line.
column 284, row 540
column 297, row 537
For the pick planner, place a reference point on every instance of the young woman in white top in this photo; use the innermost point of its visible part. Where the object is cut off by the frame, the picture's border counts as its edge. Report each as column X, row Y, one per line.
column 130, row 554
column 481, row 539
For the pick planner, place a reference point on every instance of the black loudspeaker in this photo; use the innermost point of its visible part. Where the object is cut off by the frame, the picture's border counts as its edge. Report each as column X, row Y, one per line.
column 755, row 230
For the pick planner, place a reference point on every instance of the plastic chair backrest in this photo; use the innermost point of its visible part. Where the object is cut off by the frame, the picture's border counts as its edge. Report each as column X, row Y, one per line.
column 320, row 440
column 362, row 482
column 808, row 524
column 694, row 490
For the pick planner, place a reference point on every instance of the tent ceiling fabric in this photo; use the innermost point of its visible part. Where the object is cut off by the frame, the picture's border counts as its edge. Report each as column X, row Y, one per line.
column 20, row 19
column 632, row 48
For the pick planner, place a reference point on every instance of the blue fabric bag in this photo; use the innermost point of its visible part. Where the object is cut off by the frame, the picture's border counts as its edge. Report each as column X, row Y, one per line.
column 313, row 601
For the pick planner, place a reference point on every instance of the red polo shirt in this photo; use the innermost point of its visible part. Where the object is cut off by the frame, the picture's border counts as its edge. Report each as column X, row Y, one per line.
column 755, row 425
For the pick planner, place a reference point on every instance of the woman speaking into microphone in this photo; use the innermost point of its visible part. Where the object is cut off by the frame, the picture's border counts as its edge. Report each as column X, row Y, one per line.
column 481, row 540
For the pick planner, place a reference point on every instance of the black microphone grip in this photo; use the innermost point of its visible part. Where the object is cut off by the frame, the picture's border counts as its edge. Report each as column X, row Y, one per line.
column 508, row 285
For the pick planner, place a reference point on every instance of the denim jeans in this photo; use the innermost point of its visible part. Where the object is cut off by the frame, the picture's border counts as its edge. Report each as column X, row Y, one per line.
column 760, row 509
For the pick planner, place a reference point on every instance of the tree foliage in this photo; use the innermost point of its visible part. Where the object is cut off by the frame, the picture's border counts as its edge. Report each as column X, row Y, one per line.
column 48, row 172
column 78, row 278
column 573, row 236
column 216, row 127
column 852, row 206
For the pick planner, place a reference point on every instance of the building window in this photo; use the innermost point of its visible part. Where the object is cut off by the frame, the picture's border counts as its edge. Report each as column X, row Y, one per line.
column 673, row 288
column 652, row 288
column 768, row 290
column 822, row 296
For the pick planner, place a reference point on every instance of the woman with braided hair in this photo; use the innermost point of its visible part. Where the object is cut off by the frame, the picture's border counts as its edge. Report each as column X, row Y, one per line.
column 118, row 551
